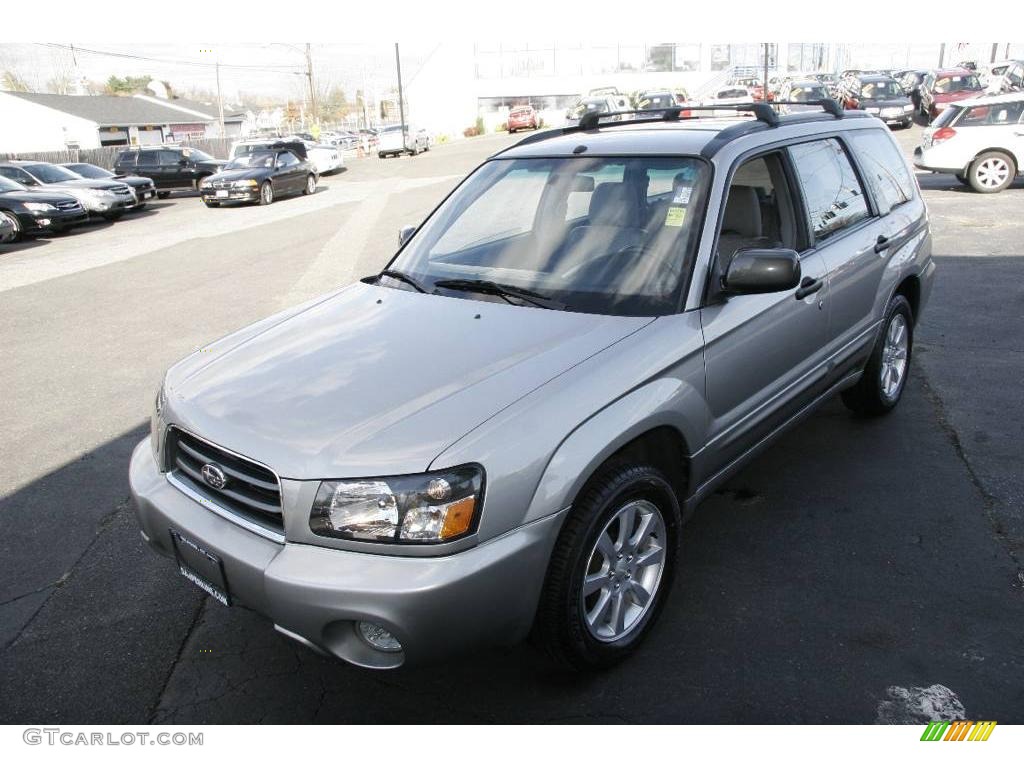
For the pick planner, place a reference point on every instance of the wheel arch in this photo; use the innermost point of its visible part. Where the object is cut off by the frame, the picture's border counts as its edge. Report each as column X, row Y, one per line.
column 645, row 426
column 910, row 289
column 1003, row 150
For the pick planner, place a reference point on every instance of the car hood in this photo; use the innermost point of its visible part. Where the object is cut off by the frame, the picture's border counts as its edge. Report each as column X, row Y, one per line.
column 85, row 184
column 238, row 174
column 31, row 196
column 373, row 380
column 944, row 98
column 899, row 101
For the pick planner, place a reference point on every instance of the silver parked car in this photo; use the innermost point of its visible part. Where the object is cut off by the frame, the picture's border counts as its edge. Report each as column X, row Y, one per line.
column 505, row 429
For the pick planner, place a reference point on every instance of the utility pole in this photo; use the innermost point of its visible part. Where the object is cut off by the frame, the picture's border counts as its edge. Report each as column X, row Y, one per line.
column 220, row 102
column 312, row 88
column 765, row 92
column 942, row 54
column 401, row 98
column 995, row 52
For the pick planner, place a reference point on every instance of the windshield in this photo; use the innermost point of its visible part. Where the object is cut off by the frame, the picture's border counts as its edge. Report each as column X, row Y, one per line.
column 603, row 235
column 881, row 89
column 255, row 159
column 6, row 185
column 807, row 93
column 91, row 171
column 51, row 174
column 954, row 83
column 196, row 154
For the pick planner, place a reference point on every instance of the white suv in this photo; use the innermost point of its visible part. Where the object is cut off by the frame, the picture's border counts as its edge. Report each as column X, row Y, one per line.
column 981, row 141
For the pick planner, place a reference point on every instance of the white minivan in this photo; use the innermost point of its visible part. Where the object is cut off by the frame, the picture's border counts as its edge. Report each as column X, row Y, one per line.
column 393, row 140
column 980, row 141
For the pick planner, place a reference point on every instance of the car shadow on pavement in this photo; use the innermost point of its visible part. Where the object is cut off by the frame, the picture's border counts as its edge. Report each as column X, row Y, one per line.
column 25, row 244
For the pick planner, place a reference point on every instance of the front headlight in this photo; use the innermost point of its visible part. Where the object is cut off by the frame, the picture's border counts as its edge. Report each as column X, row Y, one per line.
column 205, row 183
column 39, row 207
column 158, row 427
column 244, row 183
column 411, row 509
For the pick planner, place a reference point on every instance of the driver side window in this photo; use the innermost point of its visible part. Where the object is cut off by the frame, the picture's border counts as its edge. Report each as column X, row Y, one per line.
column 758, row 211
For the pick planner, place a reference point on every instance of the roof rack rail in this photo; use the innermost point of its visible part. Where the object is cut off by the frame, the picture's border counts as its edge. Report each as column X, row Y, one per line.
column 765, row 114
column 831, row 106
column 762, row 111
column 591, row 120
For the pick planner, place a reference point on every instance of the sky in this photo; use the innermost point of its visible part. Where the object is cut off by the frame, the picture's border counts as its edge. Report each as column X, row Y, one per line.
column 274, row 70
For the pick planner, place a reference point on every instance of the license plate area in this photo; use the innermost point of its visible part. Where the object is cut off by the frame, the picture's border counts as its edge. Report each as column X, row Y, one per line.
column 222, row 193
column 201, row 567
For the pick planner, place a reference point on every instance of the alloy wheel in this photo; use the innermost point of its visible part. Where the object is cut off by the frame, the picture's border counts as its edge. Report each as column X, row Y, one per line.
column 623, row 572
column 894, row 357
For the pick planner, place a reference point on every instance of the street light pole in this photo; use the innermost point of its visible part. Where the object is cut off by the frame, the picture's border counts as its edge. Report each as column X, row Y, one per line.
column 401, row 99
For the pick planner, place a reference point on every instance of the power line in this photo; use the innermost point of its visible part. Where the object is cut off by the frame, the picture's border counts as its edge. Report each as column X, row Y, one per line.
column 282, row 69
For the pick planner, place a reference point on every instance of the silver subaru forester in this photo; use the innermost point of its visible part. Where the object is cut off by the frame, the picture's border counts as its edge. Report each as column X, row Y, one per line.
column 502, row 432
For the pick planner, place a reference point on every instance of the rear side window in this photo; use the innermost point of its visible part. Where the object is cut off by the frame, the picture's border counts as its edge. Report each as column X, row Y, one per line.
column 832, row 192
column 991, row 114
column 883, row 165
column 149, row 158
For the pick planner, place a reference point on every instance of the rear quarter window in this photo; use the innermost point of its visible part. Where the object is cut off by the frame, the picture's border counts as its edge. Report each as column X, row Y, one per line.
column 885, row 169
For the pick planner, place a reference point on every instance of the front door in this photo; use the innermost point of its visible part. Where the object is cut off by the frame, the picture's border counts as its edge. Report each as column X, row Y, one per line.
column 764, row 354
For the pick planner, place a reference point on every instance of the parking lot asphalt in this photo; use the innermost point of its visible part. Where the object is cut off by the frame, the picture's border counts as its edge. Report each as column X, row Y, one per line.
column 854, row 556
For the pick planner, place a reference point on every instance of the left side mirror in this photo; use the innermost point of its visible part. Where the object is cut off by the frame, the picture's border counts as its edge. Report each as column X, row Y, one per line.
column 405, row 233
column 762, row 270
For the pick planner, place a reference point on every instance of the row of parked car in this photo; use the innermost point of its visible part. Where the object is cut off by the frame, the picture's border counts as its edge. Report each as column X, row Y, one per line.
column 38, row 197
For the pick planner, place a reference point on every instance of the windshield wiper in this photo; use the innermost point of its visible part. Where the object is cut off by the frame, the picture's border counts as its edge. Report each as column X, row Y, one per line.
column 394, row 274
column 502, row 290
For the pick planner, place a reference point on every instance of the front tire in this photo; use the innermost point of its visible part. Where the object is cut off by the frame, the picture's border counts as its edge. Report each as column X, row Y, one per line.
column 266, row 193
column 211, row 205
column 163, row 195
column 991, row 172
column 885, row 376
column 611, row 568
column 15, row 236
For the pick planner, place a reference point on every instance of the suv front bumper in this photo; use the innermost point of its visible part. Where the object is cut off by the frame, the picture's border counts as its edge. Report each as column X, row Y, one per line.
column 435, row 606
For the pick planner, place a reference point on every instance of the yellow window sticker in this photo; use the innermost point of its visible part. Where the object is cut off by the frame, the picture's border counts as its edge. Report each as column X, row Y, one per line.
column 675, row 217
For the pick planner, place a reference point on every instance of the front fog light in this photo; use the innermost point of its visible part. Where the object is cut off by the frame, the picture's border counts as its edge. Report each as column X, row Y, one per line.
column 411, row 509
column 378, row 638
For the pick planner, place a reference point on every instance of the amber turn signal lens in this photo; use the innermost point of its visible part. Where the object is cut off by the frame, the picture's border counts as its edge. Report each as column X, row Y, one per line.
column 458, row 517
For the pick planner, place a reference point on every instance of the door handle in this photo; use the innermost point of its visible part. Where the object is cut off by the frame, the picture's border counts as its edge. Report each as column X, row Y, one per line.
column 808, row 286
column 881, row 244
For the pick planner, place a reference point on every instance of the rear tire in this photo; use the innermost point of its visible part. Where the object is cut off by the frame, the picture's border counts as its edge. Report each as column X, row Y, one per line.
column 991, row 172
column 885, row 375
column 611, row 568
column 310, row 187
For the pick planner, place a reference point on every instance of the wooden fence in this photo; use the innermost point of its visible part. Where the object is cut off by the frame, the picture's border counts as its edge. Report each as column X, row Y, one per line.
column 105, row 156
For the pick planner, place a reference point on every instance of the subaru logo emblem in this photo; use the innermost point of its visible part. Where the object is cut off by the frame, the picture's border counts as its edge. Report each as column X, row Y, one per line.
column 214, row 476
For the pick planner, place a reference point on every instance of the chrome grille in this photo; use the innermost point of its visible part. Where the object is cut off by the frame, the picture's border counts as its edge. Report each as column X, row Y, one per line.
column 68, row 205
column 252, row 491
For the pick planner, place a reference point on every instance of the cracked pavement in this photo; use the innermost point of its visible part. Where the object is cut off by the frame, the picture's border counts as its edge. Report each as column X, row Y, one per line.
column 851, row 557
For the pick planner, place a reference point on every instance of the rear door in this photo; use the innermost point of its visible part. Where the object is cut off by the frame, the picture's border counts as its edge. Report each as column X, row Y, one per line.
column 149, row 165
column 849, row 234
column 764, row 354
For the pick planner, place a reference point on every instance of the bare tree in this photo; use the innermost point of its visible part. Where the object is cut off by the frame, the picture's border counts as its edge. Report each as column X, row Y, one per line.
column 63, row 68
